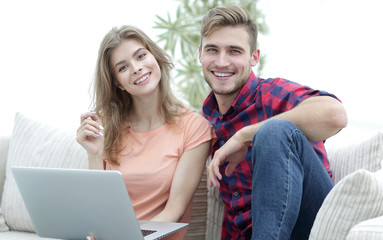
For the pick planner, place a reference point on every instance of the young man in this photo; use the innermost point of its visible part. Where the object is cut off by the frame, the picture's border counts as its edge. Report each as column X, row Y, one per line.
column 269, row 161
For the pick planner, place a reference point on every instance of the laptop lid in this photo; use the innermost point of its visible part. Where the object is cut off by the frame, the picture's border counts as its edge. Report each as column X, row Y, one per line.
column 73, row 203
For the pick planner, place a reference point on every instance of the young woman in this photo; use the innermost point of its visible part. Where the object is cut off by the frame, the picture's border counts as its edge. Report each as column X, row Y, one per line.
column 139, row 128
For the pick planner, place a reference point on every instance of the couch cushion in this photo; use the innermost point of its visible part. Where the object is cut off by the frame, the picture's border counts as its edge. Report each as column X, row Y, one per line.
column 371, row 229
column 21, row 236
column 35, row 144
column 356, row 198
column 364, row 155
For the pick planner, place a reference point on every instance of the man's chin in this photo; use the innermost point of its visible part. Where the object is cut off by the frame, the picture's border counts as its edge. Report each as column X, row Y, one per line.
column 225, row 92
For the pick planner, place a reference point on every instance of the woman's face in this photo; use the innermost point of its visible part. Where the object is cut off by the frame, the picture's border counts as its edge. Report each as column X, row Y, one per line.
column 135, row 68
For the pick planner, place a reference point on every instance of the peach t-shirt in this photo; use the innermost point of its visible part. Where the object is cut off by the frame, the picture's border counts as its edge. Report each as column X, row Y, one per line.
column 149, row 160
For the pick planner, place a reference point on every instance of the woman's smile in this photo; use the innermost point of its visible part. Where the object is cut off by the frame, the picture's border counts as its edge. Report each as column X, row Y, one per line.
column 142, row 79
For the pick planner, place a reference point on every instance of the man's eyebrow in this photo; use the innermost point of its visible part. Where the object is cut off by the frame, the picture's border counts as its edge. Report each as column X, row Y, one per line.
column 236, row 47
column 134, row 53
column 210, row 45
column 229, row 47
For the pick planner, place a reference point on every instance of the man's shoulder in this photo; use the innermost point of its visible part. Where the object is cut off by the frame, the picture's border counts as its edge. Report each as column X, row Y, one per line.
column 277, row 80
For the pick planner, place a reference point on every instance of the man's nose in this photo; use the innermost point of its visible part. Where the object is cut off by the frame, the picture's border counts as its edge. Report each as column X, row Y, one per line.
column 223, row 60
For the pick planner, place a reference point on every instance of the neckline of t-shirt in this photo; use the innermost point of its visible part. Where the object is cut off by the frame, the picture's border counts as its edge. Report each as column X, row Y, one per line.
column 149, row 133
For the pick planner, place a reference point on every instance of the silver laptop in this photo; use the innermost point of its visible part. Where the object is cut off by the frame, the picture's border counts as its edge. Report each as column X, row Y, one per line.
column 74, row 203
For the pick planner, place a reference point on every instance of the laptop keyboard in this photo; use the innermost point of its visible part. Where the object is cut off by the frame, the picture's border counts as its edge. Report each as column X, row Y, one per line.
column 147, row 232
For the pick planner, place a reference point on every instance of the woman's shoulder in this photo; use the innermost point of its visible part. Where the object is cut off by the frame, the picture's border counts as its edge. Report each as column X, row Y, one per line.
column 190, row 115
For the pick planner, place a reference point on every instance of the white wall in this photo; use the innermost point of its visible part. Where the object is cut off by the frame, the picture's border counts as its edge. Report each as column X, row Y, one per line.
column 332, row 45
column 48, row 51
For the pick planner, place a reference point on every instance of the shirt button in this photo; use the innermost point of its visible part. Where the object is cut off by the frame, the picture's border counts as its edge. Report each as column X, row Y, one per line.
column 235, row 194
column 222, row 142
column 240, row 212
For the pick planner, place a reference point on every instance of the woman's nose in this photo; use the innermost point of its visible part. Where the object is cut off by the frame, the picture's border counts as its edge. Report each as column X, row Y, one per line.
column 136, row 67
column 137, row 70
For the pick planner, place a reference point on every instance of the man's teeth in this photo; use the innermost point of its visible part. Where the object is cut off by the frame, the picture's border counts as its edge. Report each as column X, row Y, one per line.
column 222, row 74
column 142, row 79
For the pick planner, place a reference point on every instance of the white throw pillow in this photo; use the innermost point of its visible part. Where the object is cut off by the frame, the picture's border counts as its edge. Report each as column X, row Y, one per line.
column 356, row 198
column 35, row 144
column 364, row 155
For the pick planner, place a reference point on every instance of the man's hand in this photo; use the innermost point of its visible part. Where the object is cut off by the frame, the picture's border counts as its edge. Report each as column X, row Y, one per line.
column 234, row 151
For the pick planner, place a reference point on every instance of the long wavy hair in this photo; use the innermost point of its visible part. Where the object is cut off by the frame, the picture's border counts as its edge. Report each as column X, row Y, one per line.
column 113, row 104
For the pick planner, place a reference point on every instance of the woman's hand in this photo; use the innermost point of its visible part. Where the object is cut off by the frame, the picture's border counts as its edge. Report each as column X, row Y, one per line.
column 90, row 134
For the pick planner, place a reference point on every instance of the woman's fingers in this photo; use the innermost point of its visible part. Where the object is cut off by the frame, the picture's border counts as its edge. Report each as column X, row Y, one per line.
column 90, row 123
column 90, row 114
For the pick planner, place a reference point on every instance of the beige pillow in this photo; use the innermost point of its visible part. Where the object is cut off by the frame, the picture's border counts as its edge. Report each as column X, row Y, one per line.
column 364, row 155
column 356, row 198
column 371, row 229
column 37, row 145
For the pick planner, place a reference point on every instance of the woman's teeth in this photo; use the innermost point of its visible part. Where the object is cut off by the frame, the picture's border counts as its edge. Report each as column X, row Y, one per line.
column 142, row 79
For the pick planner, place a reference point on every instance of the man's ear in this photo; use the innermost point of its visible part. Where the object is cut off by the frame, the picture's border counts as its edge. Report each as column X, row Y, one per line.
column 255, row 57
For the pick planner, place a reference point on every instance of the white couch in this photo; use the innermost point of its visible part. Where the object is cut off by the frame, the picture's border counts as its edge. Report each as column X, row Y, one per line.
column 352, row 210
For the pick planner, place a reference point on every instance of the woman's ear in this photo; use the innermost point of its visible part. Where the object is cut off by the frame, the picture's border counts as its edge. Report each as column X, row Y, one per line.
column 119, row 86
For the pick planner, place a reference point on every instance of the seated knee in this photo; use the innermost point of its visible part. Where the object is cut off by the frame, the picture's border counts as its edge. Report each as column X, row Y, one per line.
column 273, row 128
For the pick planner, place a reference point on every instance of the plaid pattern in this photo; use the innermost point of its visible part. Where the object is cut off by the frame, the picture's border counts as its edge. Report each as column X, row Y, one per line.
column 258, row 100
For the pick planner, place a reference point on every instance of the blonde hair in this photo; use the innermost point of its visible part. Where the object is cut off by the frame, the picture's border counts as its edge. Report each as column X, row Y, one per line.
column 113, row 104
column 230, row 16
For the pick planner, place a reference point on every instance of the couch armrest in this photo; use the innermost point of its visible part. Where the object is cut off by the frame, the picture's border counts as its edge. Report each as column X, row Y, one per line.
column 4, row 145
column 197, row 226
column 215, row 214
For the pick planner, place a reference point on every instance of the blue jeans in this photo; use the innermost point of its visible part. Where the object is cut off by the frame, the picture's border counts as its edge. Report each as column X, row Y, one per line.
column 289, row 182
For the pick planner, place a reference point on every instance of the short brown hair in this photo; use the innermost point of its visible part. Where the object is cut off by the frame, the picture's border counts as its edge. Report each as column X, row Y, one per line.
column 230, row 16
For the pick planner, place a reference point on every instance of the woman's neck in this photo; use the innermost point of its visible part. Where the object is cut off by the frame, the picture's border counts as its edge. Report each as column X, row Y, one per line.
column 145, row 115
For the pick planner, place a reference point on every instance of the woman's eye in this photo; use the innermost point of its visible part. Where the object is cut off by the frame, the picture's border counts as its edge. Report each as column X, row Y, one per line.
column 141, row 55
column 123, row 68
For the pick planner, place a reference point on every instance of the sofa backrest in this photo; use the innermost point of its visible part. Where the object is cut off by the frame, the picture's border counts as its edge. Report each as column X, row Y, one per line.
column 4, row 145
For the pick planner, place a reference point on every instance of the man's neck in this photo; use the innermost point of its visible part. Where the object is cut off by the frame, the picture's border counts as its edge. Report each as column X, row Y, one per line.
column 225, row 101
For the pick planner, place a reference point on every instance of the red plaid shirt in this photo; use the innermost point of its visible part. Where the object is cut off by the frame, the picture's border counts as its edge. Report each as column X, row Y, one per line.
column 258, row 100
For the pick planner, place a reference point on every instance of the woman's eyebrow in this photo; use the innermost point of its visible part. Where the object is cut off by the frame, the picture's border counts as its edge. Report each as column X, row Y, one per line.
column 137, row 51
column 134, row 53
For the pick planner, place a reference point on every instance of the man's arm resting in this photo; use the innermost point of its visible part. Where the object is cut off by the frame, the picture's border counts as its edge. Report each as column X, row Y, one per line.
column 318, row 118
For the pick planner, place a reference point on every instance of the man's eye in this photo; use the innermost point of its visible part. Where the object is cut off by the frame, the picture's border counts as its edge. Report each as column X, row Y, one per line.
column 211, row 50
column 123, row 68
column 236, row 51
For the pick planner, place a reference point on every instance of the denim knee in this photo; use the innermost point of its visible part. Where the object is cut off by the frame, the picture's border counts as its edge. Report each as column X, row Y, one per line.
column 274, row 129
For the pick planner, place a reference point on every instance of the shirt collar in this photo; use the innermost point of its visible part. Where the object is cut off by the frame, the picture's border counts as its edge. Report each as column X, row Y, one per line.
column 210, row 105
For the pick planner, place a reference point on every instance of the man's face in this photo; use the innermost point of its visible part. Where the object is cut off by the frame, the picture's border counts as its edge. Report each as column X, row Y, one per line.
column 226, row 59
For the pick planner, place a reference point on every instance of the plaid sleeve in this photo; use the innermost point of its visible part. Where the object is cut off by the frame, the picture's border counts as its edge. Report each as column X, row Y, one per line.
column 280, row 95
